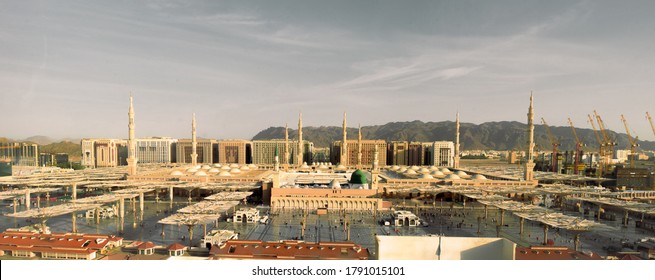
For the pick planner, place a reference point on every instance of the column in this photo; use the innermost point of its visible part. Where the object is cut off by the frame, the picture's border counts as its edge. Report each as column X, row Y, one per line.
column 502, row 217
column 190, row 235
column 625, row 218
column 486, row 213
column 121, row 207
column 170, row 193
column 38, row 201
column 348, row 224
column 97, row 215
column 545, row 234
column 141, row 202
column 74, row 192
column 522, row 221
column 74, row 222
column 600, row 209
column 577, row 241
column 27, row 198
column 16, row 201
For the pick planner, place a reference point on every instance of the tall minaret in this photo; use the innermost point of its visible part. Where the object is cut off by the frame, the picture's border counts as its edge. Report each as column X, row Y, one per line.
column 375, row 170
column 194, row 143
column 300, row 144
column 277, row 159
column 344, row 146
column 359, row 147
column 529, row 163
column 131, row 143
column 286, row 147
column 376, row 160
column 456, row 159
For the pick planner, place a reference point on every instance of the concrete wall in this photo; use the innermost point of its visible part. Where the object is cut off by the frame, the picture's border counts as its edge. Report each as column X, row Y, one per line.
column 452, row 248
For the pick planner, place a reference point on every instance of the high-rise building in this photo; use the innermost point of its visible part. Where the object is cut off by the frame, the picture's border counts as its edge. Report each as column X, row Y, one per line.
column 368, row 151
column 22, row 154
column 61, row 158
column 204, row 150
column 263, row 151
column 232, row 151
column 46, row 159
column 103, row 152
column 407, row 153
column 443, row 153
column 155, row 150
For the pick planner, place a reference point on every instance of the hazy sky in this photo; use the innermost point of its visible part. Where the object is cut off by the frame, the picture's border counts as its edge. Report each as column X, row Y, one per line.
column 67, row 67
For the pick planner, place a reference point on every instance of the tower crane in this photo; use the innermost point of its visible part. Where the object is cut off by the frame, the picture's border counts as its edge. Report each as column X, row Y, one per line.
column 633, row 142
column 600, row 146
column 609, row 142
column 578, row 148
column 651, row 122
column 554, row 142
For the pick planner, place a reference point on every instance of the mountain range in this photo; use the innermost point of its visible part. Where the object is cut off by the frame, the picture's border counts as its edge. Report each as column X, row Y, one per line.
column 502, row 135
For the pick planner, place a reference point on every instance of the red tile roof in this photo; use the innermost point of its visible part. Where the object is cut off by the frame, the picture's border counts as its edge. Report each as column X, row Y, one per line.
column 289, row 249
column 146, row 245
column 630, row 257
column 553, row 253
column 54, row 242
column 175, row 247
column 132, row 257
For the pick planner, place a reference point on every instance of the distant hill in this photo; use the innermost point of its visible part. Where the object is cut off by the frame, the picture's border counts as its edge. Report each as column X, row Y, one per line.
column 74, row 150
column 486, row 136
column 39, row 139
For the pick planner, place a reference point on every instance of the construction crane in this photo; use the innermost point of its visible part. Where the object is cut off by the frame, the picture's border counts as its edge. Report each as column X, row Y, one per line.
column 578, row 148
column 633, row 143
column 600, row 146
column 609, row 142
column 651, row 122
column 554, row 142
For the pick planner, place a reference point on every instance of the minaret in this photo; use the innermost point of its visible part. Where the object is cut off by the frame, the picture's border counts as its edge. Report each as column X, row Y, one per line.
column 375, row 170
column 376, row 161
column 277, row 159
column 300, row 144
column 131, row 143
column 286, row 147
column 529, row 163
column 344, row 146
column 456, row 159
column 359, row 147
column 194, row 143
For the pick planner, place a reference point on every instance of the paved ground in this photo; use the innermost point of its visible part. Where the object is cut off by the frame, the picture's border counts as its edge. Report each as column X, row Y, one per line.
column 283, row 225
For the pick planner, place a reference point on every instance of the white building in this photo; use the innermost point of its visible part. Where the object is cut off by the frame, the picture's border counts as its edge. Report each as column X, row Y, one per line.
column 443, row 153
column 622, row 155
column 218, row 237
column 405, row 218
column 103, row 152
column 155, row 150
column 443, row 248
column 246, row 215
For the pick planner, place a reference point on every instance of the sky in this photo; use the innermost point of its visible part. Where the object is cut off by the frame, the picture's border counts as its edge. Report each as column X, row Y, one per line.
column 67, row 68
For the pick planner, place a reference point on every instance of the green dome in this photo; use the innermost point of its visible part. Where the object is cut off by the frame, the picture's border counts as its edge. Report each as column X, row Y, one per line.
column 358, row 177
